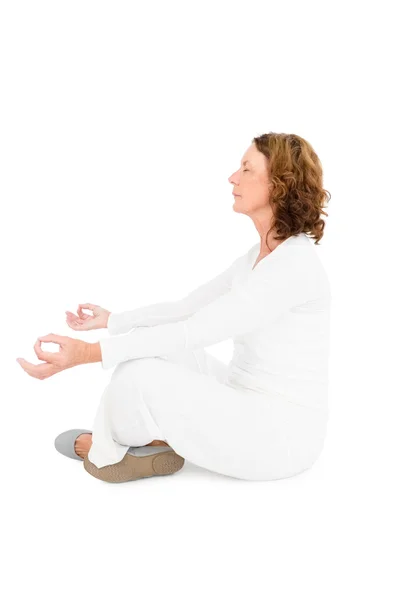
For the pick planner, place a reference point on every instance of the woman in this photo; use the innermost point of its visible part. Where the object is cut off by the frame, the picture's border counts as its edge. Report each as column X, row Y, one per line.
column 263, row 416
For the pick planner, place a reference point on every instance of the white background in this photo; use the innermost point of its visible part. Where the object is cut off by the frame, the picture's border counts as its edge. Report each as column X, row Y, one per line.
column 120, row 125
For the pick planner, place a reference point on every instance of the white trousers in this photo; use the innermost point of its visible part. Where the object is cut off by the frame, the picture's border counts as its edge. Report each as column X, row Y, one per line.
column 183, row 399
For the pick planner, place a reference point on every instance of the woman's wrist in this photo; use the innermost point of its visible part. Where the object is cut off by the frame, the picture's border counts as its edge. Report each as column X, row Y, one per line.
column 93, row 353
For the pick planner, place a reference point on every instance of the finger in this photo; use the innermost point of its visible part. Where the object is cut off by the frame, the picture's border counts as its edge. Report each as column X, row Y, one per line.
column 84, row 317
column 37, row 371
column 73, row 318
column 25, row 365
column 52, row 358
column 53, row 337
column 71, row 315
column 45, row 356
column 88, row 306
column 76, row 324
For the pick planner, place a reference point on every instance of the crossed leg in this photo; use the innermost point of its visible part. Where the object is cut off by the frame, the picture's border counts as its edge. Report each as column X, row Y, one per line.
column 199, row 360
column 191, row 406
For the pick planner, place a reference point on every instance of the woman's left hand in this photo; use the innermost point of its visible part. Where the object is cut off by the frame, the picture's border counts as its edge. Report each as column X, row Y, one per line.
column 72, row 353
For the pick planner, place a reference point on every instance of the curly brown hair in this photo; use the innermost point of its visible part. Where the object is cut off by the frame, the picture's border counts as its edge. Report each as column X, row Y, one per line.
column 297, row 195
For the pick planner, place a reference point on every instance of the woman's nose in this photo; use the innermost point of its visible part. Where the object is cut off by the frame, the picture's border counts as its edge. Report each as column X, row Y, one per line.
column 231, row 178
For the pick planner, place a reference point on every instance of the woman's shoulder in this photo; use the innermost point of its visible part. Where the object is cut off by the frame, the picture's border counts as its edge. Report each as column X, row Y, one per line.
column 294, row 262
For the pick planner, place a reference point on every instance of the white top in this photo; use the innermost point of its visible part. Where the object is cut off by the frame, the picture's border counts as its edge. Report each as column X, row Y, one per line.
column 278, row 315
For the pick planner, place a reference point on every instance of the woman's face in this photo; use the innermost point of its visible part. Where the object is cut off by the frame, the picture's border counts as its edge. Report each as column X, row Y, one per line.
column 251, row 182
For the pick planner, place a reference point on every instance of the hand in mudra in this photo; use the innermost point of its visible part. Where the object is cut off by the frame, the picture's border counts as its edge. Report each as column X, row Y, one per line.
column 85, row 322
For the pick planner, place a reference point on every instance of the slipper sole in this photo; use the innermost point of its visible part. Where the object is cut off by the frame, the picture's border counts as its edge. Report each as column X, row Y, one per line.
column 136, row 467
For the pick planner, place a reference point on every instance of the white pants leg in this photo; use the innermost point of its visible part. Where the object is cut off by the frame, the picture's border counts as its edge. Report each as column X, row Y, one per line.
column 183, row 400
column 123, row 419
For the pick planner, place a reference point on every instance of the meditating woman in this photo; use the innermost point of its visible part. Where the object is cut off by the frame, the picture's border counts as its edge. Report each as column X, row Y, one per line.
column 264, row 415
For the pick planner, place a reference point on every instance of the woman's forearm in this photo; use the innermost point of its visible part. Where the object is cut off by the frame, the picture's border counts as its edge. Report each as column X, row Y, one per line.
column 171, row 312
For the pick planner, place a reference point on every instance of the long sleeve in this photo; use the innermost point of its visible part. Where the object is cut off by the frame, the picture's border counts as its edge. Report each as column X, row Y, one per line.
column 167, row 312
column 276, row 284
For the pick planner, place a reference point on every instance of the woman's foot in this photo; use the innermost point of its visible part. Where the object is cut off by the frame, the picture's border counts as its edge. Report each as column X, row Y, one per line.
column 83, row 444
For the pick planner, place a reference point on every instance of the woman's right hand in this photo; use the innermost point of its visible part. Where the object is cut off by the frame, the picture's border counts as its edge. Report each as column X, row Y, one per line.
column 85, row 322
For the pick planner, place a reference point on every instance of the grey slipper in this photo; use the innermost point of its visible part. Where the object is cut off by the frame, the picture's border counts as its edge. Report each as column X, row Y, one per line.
column 65, row 442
